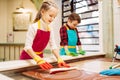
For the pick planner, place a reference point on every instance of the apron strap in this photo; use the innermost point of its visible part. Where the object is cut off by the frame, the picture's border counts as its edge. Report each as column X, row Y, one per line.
column 48, row 28
column 38, row 28
column 38, row 24
column 67, row 27
column 38, row 52
column 68, row 46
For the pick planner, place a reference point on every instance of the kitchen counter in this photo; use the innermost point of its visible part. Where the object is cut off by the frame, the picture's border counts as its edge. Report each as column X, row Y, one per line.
column 92, row 65
column 9, row 68
column 16, row 64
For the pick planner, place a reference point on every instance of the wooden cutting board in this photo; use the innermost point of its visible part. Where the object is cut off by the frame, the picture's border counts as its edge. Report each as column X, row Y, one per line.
column 68, row 75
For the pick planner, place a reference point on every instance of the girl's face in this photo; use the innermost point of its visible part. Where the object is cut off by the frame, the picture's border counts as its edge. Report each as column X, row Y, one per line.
column 49, row 15
column 73, row 24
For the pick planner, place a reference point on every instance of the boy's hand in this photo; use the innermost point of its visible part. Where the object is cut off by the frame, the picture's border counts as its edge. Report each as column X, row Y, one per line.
column 82, row 52
column 42, row 63
column 70, row 53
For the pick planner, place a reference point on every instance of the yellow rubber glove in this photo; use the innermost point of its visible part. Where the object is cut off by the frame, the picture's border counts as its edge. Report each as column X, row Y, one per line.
column 61, row 63
column 42, row 63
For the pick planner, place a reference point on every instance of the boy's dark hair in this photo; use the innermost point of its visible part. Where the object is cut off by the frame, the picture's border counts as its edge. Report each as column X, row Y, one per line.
column 74, row 16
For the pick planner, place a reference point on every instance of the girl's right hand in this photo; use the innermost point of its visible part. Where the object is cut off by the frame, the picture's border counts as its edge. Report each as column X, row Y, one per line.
column 42, row 63
column 45, row 65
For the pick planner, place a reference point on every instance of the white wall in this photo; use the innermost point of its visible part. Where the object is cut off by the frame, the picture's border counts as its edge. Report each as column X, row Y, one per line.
column 7, row 7
column 57, row 23
column 19, row 36
column 110, row 20
column 116, row 14
column 3, row 20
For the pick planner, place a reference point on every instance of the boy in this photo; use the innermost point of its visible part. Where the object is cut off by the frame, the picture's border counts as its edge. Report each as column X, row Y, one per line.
column 69, row 36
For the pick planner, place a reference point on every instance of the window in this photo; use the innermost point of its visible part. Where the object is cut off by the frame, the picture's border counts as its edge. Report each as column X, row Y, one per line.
column 89, row 26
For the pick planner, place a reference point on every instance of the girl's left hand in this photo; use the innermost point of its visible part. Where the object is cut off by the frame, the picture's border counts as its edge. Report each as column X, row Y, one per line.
column 61, row 63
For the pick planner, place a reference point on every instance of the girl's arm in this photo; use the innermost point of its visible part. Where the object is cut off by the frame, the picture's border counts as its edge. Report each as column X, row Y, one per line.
column 55, row 51
column 29, row 40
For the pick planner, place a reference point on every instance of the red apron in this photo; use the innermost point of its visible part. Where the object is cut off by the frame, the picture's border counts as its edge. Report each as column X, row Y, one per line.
column 39, row 43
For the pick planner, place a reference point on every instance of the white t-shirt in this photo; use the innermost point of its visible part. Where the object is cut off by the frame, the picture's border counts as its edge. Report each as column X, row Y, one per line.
column 32, row 30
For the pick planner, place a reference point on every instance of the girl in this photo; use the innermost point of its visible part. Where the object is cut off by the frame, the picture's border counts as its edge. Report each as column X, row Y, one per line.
column 38, row 36
column 69, row 36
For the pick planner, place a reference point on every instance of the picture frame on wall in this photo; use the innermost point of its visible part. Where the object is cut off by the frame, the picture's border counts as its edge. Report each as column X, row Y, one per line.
column 118, row 3
column 21, row 21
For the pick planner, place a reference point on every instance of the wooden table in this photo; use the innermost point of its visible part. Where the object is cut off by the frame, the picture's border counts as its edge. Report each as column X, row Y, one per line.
column 93, row 65
column 88, row 70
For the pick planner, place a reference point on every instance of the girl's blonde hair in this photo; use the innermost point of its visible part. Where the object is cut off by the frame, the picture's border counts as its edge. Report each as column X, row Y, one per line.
column 45, row 6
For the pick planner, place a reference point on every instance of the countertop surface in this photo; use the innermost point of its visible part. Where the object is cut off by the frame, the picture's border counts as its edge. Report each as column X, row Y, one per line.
column 88, row 65
column 16, row 64
column 92, row 65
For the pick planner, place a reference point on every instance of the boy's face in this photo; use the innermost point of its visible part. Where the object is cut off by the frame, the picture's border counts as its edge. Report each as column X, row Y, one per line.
column 49, row 15
column 73, row 24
